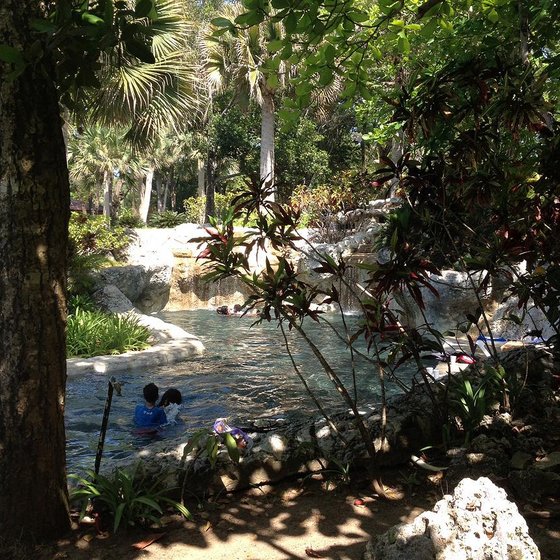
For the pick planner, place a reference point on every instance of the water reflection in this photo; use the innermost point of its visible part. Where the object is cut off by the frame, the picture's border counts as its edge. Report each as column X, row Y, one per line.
column 245, row 374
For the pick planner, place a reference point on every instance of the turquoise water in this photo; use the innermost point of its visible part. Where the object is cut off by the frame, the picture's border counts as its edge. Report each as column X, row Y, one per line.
column 245, row 374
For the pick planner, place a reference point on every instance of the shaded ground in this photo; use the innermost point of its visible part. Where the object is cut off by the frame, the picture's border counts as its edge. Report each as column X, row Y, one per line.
column 293, row 520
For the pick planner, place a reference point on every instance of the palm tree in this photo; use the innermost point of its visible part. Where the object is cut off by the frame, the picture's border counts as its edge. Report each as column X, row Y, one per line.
column 150, row 98
column 240, row 61
column 95, row 157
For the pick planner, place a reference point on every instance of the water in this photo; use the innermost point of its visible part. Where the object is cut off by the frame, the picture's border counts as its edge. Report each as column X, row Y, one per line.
column 245, row 374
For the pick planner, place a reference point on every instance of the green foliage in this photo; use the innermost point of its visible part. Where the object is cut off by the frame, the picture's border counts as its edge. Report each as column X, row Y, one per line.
column 318, row 205
column 471, row 398
column 90, row 235
column 83, row 302
column 130, row 498
column 205, row 444
column 299, row 157
column 94, row 333
column 195, row 207
column 469, row 403
column 91, row 244
column 129, row 219
column 167, row 219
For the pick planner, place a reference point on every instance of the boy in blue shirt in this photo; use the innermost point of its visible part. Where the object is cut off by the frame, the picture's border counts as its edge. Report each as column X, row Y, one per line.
column 149, row 415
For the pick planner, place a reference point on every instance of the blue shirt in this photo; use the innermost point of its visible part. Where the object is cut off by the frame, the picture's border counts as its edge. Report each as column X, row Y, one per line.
column 145, row 417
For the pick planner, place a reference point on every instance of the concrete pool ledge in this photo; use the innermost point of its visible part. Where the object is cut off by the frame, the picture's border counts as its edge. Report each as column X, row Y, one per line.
column 172, row 344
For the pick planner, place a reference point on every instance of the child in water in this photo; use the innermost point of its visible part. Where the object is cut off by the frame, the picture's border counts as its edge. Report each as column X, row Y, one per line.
column 171, row 403
column 148, row 415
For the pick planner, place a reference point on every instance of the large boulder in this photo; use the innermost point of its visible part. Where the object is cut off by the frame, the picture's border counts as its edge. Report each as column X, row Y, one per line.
column 476, row 522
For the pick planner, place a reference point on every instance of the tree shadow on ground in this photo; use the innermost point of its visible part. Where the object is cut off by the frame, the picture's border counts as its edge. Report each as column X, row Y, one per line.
column 291, row 520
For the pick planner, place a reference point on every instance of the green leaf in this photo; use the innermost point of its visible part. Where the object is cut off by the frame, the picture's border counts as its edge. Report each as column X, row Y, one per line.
column 43, row 25
column 403, row 44
column 330, row 53
column 325, row 76
column 303, row 88
column 92, row 19
column 279, row 4
column 376, row 51
column 287, row 52
column 250, row 18
column 290, row 22
column 118, row 515
column 11, row 55
column 149, row 502
column 493, row 16
column 140, row 50
column 275, row 45
column 358, row 16
column 272, row 81
column 221, row 22
column 143, row 8
column 232, row 448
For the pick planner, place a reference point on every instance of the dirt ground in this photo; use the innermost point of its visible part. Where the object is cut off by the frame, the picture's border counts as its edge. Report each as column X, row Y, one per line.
column 293, row 520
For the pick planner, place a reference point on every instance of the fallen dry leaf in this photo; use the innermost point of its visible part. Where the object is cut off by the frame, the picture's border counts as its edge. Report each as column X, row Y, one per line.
column 314, row 553
column 148, row 541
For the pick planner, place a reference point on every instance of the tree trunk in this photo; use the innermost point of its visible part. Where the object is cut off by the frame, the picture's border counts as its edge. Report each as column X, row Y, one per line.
column 167, row 190
column 108, row 195
column 200, row 175
column 159, row 191
column 210, row 209
column 267, row 145
column 146, row 195
column 34, row 213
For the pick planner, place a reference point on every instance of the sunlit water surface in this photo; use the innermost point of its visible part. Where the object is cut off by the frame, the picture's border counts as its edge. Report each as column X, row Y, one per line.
column 245, row 374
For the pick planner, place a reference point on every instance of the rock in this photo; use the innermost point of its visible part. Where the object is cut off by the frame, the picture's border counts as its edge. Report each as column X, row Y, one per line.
column 129, row 279
column 476, row 522
column 520, row 460
column 550, row 462
column 111, row 299
column 532, row 485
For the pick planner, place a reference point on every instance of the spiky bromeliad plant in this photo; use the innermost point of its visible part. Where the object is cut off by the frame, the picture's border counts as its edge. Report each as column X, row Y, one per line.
column 129, row 498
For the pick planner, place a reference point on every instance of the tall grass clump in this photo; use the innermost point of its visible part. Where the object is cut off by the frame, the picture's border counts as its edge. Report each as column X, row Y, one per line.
column 95, row 333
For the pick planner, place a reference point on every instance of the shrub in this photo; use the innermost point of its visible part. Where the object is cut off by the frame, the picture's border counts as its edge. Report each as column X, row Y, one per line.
column 94, row 333
column 167, row 219
column 90, row 235
column 128, row 219
column 195, row 207
column 129, row 498
column 83, row 302
column 319, row 205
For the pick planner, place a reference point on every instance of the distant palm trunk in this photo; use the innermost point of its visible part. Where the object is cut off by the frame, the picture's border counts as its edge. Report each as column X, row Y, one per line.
column 200, row 173
column 210, row 188
column 160, row 194
column 267, row 143
column 108, row 195
column 146, row 195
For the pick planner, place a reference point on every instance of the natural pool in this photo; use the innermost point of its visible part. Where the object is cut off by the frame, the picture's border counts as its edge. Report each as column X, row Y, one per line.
column 245, row 374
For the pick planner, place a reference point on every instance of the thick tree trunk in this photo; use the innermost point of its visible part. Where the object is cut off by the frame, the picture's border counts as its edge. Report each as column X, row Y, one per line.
column 34, row 213
column 146, row 196
column 267, row 143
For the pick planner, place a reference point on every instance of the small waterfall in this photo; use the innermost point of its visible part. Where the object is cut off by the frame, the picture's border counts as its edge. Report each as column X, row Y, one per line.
column 190, row 291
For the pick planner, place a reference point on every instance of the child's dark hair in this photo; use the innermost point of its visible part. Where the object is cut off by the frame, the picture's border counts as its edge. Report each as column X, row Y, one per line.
column 151, row 393
column 170, row 396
